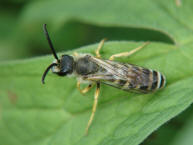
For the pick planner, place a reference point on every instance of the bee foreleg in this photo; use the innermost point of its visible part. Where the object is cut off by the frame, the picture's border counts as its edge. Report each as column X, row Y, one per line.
column 85, row 90
column 128, row 53
column 94, row 107
column 99, row 48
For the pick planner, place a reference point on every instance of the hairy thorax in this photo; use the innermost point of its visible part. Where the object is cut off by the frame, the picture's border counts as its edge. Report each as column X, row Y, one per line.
column 84, row 66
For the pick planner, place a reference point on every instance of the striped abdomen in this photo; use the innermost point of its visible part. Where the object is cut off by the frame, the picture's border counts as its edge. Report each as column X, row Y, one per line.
column 145, row 80
column 140, row 79
column 151, row 81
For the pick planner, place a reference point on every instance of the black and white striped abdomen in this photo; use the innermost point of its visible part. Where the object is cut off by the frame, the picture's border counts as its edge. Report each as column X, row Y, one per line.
column 151, row 81
column 158, row 80
column 139, row 79
column 142, row 80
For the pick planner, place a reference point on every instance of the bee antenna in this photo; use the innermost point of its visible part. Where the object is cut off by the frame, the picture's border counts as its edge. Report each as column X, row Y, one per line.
column 50, row 42
column 46, row 71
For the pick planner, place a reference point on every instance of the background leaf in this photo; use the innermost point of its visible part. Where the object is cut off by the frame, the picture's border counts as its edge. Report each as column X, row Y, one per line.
column 57, row 112
column 119, row 13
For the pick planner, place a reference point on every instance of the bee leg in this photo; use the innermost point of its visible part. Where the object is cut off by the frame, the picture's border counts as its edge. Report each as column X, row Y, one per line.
column 99, row 48
column 75, row 54
column 128, row 53
column 94, row 107
column 85, row 90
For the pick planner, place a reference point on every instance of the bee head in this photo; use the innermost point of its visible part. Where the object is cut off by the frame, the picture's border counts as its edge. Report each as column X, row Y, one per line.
column 62, row 66
column 65, row 65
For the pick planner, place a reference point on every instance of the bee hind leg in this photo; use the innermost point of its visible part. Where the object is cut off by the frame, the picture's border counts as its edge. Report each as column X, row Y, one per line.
column 93, row 108
column 85, row 90
column 128, row 53
column 101, row 43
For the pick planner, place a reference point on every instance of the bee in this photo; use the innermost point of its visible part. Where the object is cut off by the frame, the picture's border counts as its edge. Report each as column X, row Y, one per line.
column 95, row 70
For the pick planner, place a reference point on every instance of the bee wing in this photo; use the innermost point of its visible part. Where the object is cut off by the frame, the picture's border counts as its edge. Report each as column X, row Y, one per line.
column 107, row 70
column 121, row 75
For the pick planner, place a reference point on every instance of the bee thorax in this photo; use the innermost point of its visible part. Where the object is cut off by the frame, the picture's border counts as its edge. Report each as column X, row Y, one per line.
column 84, row 66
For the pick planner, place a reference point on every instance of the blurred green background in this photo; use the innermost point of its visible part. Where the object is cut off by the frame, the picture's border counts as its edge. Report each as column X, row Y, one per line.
column 20, row 39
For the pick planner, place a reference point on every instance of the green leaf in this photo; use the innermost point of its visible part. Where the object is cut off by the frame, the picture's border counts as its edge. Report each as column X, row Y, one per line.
column 171, row 131
column 158, row 15
column 56, row 113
